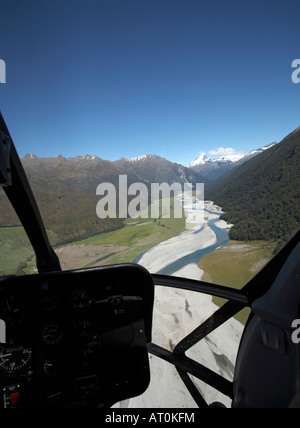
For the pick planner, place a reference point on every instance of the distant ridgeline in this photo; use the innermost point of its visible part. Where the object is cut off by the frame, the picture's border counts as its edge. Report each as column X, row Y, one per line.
column 65, row 189
column 262, row 197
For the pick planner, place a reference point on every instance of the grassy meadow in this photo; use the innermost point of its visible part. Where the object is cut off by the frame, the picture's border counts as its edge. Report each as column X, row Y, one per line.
column 235, row 264
column 122, row 245
column 118, row 246
column 16, row 252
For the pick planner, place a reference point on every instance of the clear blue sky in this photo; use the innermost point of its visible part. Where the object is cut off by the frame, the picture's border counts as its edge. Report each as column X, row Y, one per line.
column 131, row 77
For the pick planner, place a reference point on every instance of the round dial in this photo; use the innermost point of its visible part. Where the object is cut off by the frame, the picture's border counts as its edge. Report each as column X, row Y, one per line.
column 52, row 334
column 14, row 359
column 81, row 300
column 52, row 368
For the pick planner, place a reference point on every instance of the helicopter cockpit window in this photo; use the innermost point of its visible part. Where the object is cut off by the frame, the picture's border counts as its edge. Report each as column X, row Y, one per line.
column 161, row 134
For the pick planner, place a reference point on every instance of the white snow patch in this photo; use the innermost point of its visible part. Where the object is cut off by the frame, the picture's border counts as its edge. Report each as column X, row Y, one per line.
column 138, row 158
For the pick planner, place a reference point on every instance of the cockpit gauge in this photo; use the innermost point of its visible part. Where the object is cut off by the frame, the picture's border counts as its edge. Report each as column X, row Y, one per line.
column 51, row 303
column 83, row 328
column 52, row 368
column 81, row 300
column 52, row 334
column 14, row 359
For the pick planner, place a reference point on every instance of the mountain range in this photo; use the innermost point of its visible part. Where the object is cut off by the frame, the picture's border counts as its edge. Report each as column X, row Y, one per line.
column 258, row 191
column 65, row 189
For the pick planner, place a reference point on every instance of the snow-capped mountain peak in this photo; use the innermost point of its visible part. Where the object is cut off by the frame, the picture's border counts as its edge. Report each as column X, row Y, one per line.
column 89, row 157
column 222, row 160
column 226, row 158
column 138, row 158
column 144, row 157
column 201, row 160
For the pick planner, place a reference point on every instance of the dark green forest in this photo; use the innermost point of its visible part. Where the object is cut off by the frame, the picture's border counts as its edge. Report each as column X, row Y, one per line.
column 262, row 197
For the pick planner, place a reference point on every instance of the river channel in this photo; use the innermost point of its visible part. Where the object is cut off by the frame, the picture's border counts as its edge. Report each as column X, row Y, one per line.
column 222, row 237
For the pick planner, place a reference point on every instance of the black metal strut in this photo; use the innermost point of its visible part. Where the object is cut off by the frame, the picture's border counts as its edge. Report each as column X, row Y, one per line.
column 17, row 188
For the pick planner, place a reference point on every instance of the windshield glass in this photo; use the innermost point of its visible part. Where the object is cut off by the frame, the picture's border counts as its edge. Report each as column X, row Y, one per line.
column 163, row 133
column 137, row 139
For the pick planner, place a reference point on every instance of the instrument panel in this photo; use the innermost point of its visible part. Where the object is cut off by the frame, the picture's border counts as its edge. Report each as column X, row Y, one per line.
column 75, row 338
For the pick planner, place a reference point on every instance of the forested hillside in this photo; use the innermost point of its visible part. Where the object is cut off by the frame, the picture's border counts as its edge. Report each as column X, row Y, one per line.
column 65, row 190
column 262, row 197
